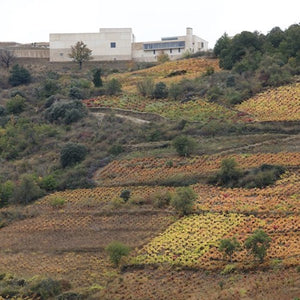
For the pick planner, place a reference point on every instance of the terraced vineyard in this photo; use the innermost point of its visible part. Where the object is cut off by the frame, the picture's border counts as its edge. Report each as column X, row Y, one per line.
column 188, row 68
column 198, row 110
column 280, row 104
column 150, row 169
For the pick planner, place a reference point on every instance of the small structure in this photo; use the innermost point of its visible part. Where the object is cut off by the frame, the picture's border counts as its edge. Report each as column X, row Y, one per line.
column 118, row 44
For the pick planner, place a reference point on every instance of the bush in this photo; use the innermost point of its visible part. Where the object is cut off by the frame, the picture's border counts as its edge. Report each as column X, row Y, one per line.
column 27, row 190
column 183, row 200
column 146, row 87
column 2, row 111
column 125, row 195
column 6, row 192
column 19, row 75
column 117, row 250
column 76, row 178
column 160, row 91
column 47, row 288
column 57, row 202
column 175, row 91
column 117, row 202
column 97, row 78
column 229, row 246
column 258, row 243
column 161, row 199
column 113, row 87
column 72, row 154
column 229, row 174
column 116, row 149
column 184, row 145
column 49, row 183
column 162, row 58
column 65, row 111
column 76, row 93
column 15, row 105
column 50, row 87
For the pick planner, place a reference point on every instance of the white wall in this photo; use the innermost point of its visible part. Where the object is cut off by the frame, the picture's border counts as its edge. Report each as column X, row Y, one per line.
column 99, row 43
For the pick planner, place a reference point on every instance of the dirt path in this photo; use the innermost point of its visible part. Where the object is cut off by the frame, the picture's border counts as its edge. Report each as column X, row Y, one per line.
column 135, row 120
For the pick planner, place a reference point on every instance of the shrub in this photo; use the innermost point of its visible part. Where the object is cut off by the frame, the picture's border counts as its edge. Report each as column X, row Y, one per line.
column 57, row 202
column 72, row 154
column 6, row 192
column 229, row 246
column 160, row 91
column 46, row 288
column 113, row 87
column 125, row 195
column 15, row 105
column 117, row 202
column 228, row 269
column 97, row 78
column 76, row 93
column 117, row 250
column 76, row 178
column 162, row 58
column 27, row 190
column 175, row 91
column 19, row 75
column 184, row 145
column 146, row 87
column 258, row 243
column 183, row 200
column 49, row 183
column 63, row 111
column 50, row 87
column 228, row 175
column 116, row 149
column 73, row 115
column 2, row 111
column 161, row 199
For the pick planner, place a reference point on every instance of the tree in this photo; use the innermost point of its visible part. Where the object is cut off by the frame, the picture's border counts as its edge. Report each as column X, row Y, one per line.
column 125, row 195
column 160, row 91
column 258, row 243
column 229, row 173
column 28, row 190
column 113, row 87
column 71, row 154
column 19, row 75
column 228, row 246
column 184, row 145
column 97, row 77
column 183, row 200
column 7, row 57
column 116, row 250
column 80, row 53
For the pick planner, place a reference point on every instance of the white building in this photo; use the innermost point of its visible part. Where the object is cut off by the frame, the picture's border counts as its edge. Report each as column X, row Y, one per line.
column 118, row 44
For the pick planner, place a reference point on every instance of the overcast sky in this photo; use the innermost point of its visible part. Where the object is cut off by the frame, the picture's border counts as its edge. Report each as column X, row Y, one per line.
column 32, row 20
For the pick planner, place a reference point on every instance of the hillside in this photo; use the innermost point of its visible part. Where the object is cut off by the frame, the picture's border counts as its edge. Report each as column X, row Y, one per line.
column 70, row 151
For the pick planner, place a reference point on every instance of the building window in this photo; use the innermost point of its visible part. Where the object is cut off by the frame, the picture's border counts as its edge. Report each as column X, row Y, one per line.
column 170, row 50
column 202, row 45
column 179, row 50
column 113, row 45
column 61, row 54
column 154, row 52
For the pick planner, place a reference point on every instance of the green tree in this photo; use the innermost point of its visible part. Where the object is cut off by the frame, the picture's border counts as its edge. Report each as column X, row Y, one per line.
column 116, row 250
column 80, row 53
column 183, row 200
column 160, row 91
column 229, row 173
column 27, row 190
column 146, row 87
column 72, row 154
column 184, row 145
column 19, row 75
column 97, row 78
column 229, row 246
column 258, row 243
column 15, row 105
column 113, row 87
column 125, row 195
column 6, row 192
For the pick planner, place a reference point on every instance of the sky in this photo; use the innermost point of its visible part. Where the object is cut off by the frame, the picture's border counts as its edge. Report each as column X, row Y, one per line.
column 28, row 21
